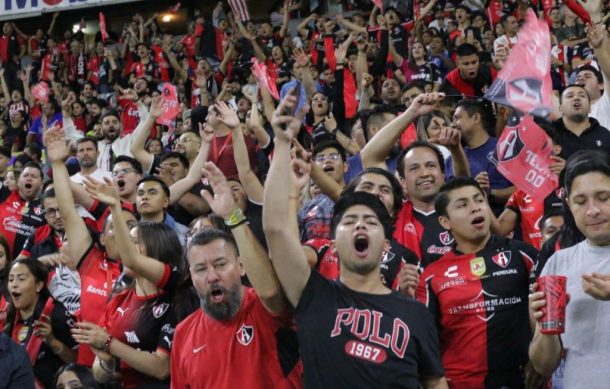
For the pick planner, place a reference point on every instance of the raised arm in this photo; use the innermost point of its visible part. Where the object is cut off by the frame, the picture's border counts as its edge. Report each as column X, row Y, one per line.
column 253, row 256
column 139, row 140
column 287, row 256
column 181, row 187
column 600, row 42
column 25, row 77
column 302, row 59
column 378, row 148
column 285, row 20
column 5, row 92
column 302, row 27
column 76, row 230
column 147, row 267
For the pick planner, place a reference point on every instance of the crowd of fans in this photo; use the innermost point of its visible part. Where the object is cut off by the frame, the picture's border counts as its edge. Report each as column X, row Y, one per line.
column 351, row 231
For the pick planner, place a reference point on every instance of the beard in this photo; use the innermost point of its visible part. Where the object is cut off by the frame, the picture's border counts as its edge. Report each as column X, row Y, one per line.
column 87, row 163
column 225, row 310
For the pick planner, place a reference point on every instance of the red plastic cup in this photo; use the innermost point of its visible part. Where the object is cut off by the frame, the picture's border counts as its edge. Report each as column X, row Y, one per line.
column 554, row 313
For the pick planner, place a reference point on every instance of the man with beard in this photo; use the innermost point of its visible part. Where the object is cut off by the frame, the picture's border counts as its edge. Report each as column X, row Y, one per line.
column 469, row 78
column 478, row 293
column 87, row 154
column 241, row 335
column 20, row 210
column 354, row 332
column 575, row 129
column 112, row 146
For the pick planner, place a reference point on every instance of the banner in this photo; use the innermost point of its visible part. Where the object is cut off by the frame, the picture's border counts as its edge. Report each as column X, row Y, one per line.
column 524, row 82
column 523, row 156
column 170, row 106
column 15, row 9
column 41, row 92
column 103, row 27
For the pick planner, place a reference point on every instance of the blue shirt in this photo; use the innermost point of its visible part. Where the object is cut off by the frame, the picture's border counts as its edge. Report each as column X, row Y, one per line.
column 15, row 366
column 479, row 162
column 355, row 166
column 36, row 128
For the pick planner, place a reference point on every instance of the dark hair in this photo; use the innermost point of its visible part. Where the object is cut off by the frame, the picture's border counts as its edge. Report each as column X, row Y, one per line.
column 442, row 198
column 135, row 164
column 36, row 166
column 414, row 84
column 597, row 73
column 158, row 181
column 84, row 375
column 505, row 17
column 4, row 272
column 400, row 165
column 160, row 242
column 466, row 49
column 34, row 149
column 87, row 139
column 463, row 7
column 209, row 235
column 368, row 200
column 583, row 162
column 180, row 157
column 473, row 106
column 396, row 188
column 573, row 86
column 424, row 121
column 48, row 194
column 40, row 274
column 5, row 151
column 329, row 144
column 111, row 112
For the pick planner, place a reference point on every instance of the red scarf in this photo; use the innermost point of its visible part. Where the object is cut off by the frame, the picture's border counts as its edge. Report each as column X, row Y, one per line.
column 409, row 231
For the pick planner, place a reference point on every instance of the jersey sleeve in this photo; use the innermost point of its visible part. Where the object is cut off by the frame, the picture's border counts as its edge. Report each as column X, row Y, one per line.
column 512, row 202
column 26, row 251
column 528, row 254
column 170, row 279
column 62, row 322
column 166, row 337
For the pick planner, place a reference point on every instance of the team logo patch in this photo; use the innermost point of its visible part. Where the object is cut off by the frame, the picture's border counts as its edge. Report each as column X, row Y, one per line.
column 23, row 333
column 387, row 256
column 502, row 259
column 160, row 309
column 477, row 266
column 38, row 211
column 511, row 146
column 445, row 238
column 245, row 334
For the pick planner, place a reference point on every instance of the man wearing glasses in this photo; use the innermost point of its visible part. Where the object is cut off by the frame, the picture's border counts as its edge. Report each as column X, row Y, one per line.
column 315, row 215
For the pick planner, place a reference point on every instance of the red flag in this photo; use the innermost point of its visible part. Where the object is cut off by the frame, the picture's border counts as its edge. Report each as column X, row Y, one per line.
column 41, row 92
column 175, row 8
column 170, row 106
column 378, row 4
column 264, row 79
column 546, row 8
column 524, row 82
column 240, row 9
column 523, row 156
column 578, row 10
column 103, row 27
column 494, row 12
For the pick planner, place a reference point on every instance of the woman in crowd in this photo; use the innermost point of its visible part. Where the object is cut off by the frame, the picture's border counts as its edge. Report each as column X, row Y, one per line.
column 429, row 127
column 5, row 265
column 73, row 376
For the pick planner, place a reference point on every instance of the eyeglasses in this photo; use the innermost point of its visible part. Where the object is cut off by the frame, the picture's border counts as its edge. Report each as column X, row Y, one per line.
column 120, row 172
column 321, row 158
column 52, row 212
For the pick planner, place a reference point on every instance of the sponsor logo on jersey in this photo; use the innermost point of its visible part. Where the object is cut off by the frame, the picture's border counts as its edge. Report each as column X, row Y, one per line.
column 451, row 283
column 484, row 305
column 365, row 324
column 504, row 272
column 131, row 337
column 159, row 310
column 502, row 259
column 445, row 238
column 451, row 271
column 15, row 204
column 477, row 266
column 122, row 311
column 245, row 334
column 438, row 250
column 100, row 292
column 168, row 329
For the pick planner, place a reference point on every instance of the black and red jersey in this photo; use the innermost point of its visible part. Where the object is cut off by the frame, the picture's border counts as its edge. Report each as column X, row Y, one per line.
column 130, row 116
column 142, row 322
column 351, row 339
column 530, row 212
column 255, row 349
column 422, row 234
column 391, row 263
column 44, row 242
column 19, row 219
column 97, row 277
column 163, row 66
column 480, row 303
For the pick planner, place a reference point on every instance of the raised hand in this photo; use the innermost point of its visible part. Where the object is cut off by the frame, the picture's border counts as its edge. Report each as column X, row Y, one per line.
column 408, row 278
column 249, row 95
column 593, row 7
column 43, row 328
column 228, row 116
column 104, row 192
column 130, row 94
column 330, row 123
column 448, row 137
column 426, row 103
column 206, row 133
column 558, row 164
column 89, row 333
column 222, row 203
column 341, row 51
column 483, row 180
column 54, row 140
column 285, row 126
column 300, row 57
column 596, row 35
column 301, row 171
column 156, row 107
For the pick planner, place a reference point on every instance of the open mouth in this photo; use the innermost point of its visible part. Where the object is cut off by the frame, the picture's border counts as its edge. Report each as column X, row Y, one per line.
column 425, row 184
column 361, row 244
column 217, row 294
column 16, row 296
column 28, row 186
column 328, row 169
column 478, row 221
column 120, row 184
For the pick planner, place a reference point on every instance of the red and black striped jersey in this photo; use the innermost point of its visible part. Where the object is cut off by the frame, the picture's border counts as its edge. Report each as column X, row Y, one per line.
column 480, row 303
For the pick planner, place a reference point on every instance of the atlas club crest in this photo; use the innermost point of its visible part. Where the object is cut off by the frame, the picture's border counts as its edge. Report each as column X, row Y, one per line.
column 245, row 334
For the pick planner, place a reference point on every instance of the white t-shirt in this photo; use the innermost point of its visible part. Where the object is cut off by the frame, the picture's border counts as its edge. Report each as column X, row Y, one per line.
column 99, row 175
column 600, row 110
column 586, row 338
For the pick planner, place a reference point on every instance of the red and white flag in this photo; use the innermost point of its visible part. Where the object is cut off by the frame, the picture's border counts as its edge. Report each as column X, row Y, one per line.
column 378, row 4
column 578, row 9
column 103, row 27
column 240, row 9
column 264, row 79
column 524, row 82
column 170, row 107
column 41, row 92
column 523, row 156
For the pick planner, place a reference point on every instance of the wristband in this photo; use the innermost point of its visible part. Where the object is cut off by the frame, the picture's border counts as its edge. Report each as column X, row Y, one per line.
column 107, row 370
column 106, row 346
column 235, row 219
